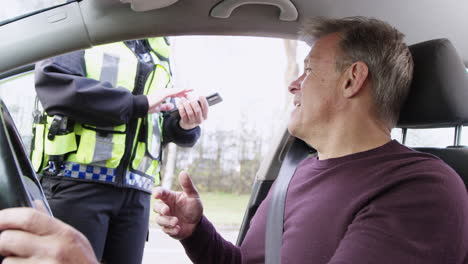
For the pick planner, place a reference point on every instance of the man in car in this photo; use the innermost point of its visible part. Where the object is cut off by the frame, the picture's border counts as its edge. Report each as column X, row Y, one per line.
column 363, row 199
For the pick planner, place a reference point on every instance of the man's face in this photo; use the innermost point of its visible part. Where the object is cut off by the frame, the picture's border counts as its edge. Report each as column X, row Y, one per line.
column 316, row 96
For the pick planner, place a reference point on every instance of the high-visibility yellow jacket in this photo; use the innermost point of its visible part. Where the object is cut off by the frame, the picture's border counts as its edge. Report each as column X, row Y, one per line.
column 108, row 135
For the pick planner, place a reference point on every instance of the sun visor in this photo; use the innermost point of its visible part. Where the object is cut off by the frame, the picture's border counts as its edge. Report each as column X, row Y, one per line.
column 145, row 5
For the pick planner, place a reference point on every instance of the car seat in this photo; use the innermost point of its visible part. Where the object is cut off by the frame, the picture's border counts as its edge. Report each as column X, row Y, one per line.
column 437, row 99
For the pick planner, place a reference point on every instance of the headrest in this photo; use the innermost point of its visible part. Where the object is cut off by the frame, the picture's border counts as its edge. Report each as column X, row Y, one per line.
column 439, row 90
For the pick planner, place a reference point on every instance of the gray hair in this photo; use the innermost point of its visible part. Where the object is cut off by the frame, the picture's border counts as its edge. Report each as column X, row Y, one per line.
column 381, row 47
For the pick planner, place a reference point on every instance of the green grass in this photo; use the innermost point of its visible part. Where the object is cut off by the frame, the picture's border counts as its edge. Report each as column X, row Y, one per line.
column 222, row 209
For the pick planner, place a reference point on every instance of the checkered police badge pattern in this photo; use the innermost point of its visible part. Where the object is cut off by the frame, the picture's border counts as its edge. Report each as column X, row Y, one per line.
column 87, row 172
column 103, row 174
column 138, row 181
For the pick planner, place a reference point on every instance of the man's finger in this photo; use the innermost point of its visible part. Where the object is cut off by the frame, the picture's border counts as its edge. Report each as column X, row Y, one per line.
column 187, row 185
column 162, row 194
column 161, row 208
column 167, row 197
column 174, row 231
column 20, row 243
column 29, row 220
column 167, row 221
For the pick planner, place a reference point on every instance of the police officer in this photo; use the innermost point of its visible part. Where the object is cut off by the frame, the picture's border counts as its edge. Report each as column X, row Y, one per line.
column 99, row 144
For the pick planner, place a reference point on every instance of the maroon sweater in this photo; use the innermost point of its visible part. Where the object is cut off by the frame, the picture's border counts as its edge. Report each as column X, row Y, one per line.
column 386, row 205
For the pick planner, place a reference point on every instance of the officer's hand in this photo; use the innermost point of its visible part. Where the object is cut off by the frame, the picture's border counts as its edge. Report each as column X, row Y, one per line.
column 178, row 213
column 156, row 99
column 192, row 113
column 30, row 236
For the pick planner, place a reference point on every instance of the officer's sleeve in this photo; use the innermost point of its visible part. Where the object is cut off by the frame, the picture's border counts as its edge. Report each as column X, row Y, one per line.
column 172, row 132
column 63, row 89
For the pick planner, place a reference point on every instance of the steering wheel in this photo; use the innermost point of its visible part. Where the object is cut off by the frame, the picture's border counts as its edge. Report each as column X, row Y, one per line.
column 19, row 185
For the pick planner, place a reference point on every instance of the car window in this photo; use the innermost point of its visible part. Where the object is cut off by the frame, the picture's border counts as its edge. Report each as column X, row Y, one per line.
column 248, row 73
column 19, row 96
column 434, row 137
column 12, row 10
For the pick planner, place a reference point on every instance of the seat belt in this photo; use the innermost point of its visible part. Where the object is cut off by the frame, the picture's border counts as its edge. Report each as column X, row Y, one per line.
column 274, row 225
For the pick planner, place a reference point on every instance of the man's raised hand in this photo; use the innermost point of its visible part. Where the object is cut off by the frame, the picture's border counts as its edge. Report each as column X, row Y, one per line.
column 178, row 213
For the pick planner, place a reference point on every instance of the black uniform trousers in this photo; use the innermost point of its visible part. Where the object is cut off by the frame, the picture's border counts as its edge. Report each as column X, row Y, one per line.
column 115, row 220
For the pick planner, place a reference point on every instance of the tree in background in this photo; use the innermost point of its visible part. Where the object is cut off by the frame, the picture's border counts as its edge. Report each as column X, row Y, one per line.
column 227, row 161
column 222, row 161
column 292, row 68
